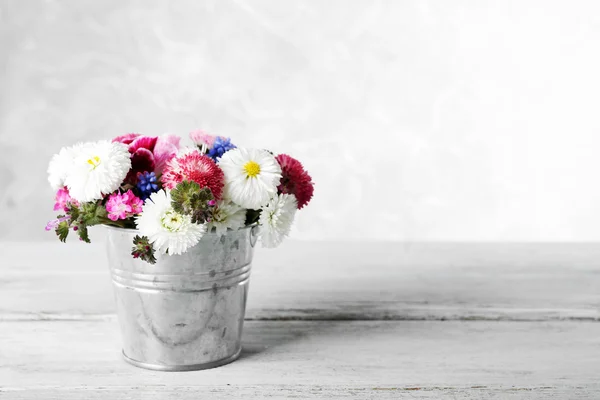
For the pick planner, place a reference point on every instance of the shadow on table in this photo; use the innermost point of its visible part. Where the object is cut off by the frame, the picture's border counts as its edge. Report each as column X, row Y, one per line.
column 263, row 337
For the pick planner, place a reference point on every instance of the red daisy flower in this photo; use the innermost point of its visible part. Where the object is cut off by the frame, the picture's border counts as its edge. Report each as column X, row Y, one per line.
column 295, row 180
column 194, row 167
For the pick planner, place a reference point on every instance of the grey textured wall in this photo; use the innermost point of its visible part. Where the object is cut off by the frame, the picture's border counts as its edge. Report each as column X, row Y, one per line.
column 419, row 120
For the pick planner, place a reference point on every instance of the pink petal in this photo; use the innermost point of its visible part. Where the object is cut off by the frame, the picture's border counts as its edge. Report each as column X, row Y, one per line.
column 126, row 197
column 143, row 160
column 55, row 222
column 62, row 198
column 51, row 225
column 173, row 139
column 165, row 149
column 145, row 142
column 126, row 138
column 199, row 137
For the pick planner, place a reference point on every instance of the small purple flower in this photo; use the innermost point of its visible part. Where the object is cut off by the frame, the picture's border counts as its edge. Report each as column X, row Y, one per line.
column 53, row 224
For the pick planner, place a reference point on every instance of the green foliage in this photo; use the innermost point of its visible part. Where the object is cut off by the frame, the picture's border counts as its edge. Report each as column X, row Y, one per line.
column 143, row 249
column 85, row 215
column 72, row 211
column 183, row 196
column 80, row 217
column 82, row 231
column 62, row 230
column 92, row 213
column 189, row 199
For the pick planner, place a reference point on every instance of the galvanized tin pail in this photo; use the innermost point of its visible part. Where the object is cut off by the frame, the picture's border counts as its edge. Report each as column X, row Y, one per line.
column 185, row 312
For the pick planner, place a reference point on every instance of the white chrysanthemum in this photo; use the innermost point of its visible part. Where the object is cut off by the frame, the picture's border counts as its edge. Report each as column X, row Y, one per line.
column 251, row 176
column 166, row 229
column 276, row 219
column 98, row 168
column 227, row 215
column 61, row 165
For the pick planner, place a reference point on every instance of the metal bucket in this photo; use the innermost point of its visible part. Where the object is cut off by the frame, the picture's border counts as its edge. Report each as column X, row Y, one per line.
column 185, row 312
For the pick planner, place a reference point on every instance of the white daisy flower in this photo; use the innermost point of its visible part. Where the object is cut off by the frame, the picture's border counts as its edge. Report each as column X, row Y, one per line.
column 97, row 169
column 276, row 219
column 251, row 176
column 168, row 230
column 227, row 215
column 61, row 165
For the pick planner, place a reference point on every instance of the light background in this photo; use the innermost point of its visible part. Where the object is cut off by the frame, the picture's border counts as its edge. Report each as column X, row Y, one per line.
column 418, row 120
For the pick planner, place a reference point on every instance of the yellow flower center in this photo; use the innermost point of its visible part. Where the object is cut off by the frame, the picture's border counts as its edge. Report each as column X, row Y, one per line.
column 172, row 221
column 94, row 162
column 252, row 169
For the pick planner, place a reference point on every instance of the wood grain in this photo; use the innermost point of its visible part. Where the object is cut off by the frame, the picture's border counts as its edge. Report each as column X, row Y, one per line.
column 317, row 391
column 337, row 281
column 338, row 359
column 326, row 320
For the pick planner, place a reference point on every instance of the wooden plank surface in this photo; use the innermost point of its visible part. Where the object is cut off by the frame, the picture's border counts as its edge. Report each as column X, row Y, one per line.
column 338, row 281
column 379, row 359
column 326, row 320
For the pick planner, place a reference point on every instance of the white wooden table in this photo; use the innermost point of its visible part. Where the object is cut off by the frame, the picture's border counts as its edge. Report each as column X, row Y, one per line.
column 326, row 320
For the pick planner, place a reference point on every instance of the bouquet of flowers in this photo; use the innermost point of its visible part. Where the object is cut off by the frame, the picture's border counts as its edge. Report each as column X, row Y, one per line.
column 173, row 195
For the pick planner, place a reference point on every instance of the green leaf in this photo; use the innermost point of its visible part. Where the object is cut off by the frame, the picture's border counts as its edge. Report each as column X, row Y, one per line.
column 182, row 196
column 143, row 249
column 73, row 211
column 92, row 213
column 82, row 231
column 62, row 230
column 189, row 199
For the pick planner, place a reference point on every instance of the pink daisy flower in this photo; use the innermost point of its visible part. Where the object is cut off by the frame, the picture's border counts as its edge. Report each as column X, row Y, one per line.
column 295, row 180
column 193, row 166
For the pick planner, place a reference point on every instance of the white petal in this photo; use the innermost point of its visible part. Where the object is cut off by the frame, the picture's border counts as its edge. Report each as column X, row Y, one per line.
column 149, row 224
column 250, row 192
column 89, row 183
column 276, row 219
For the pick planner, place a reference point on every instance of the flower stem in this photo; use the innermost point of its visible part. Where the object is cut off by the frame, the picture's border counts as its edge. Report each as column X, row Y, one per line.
column 123, row 223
